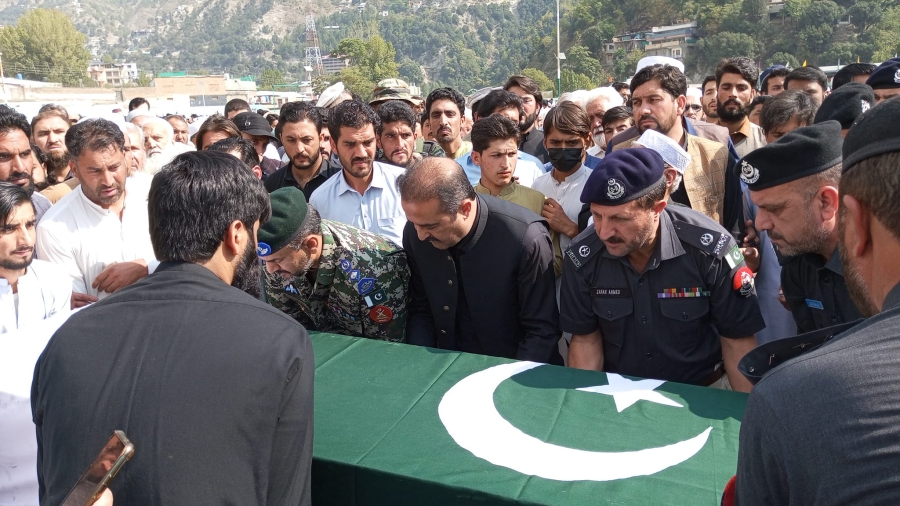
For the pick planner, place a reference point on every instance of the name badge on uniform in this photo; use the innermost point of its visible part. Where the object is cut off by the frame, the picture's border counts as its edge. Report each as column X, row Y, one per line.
column 682, row 293
column 815, row 304
column 616, row 293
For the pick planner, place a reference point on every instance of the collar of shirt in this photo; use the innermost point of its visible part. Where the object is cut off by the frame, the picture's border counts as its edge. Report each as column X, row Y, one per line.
column 668, row 245
column 743, row 131
column 583, row 171
column 89, row 204
column 325, row 274
column 378, row 180
column 464, row 148
column 470, row 239
column 834, row 262
column 892, row 300
column 289, row 173
column 509, row 190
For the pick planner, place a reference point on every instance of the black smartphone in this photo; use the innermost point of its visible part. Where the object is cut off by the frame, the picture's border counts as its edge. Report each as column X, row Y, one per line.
column 99, row 475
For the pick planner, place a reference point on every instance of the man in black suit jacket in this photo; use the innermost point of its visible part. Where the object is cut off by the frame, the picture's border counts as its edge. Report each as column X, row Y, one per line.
column 213, row 387
column 481, row 268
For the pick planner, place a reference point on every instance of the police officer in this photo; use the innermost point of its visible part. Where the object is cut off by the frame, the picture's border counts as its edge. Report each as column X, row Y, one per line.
column 794, row 182
column 330, row 276
column 655, row 291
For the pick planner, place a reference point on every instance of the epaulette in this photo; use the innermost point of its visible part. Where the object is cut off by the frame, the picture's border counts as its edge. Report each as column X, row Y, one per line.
column 713, row 242
column 765, row 357
column 583, row 248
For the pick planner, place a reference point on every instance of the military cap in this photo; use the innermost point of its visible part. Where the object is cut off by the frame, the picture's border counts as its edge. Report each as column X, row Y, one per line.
column 391, row 89
column 802, row 152
column 886, row 75
column 846, row 103
column 874, row 133
column 622, row 176
column 288, row 212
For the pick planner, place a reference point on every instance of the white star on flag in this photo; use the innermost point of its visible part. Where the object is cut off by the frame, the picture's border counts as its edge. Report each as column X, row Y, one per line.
column 626, row 392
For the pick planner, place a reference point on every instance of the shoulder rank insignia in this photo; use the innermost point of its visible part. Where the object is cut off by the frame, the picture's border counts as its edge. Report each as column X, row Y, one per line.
column 710, row 241
column 583, row 247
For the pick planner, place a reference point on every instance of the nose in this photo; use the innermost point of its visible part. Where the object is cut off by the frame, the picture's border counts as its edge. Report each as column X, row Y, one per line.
column 271, row 267
column 763, row 220
column 422, row 233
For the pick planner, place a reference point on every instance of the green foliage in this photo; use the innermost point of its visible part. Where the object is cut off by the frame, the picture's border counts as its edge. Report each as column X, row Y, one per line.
column 543, row 82
column 572, row 81
column 373, row 58
column 143, row 80
column 45, row 44
column 269, row 78
column 411, row 71
column 712, row 50
column 780, row 58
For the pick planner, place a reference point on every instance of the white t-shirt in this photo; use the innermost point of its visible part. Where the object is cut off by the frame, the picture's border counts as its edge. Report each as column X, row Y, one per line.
column 44, row 290
column 567, row 193
column 83, row 238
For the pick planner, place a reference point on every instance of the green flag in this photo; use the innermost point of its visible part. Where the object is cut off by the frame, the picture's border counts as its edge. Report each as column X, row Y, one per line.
column 405, row 425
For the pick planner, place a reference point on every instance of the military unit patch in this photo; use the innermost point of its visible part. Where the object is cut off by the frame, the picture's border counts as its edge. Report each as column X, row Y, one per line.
column 675, row 293
column 291, row 289
column 743, row 281
column 354, row 275
column 734, row 257
column 365, row 285
column 373, row 299
column 346, row 265
column 381, row 314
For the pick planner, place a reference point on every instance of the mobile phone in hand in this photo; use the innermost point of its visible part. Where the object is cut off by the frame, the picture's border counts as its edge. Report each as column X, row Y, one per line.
column 99, row 475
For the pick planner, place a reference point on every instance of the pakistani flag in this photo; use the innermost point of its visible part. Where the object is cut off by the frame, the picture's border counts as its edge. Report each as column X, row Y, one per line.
column 405, row 425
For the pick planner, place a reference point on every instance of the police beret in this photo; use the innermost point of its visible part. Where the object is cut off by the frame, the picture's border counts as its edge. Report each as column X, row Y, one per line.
column 802, row 152
column 288, row 212
column 846, row 103
column 622, row 176
column 886, row 75
column 874, row 133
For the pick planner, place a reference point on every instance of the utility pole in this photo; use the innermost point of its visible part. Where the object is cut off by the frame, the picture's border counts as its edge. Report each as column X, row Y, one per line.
column 2, row 78
column 558, row 73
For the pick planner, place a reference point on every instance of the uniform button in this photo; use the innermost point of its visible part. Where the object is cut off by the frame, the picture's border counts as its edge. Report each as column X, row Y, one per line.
column 449, row 258
column 446, row 308
column 643, row 319
column 649, row 355
column 640, row 280
column 684, row 316
column 443, row 332
column 450, row 282
column 609, row 314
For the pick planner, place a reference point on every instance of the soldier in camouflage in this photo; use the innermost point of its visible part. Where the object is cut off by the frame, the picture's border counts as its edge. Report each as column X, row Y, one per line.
column 330, row 276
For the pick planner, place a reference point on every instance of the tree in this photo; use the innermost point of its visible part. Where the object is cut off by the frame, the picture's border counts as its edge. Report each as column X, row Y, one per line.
column 45, row 44
column 865, row 14
column 572, row 81
column 269, row 78
column 711, row 50
column 785, row 59
column 543, row 82
column 411, row 71
column 143, row 79
column 374, row 57
column 579, row 60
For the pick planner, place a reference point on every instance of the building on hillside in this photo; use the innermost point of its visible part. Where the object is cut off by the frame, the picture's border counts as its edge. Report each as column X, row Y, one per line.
column 628, row 42
column 674, row 41
column 112, row 74
column 334, row 64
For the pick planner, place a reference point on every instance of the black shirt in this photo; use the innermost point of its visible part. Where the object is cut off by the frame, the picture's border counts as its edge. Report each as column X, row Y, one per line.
column 285, row 177
column 213, row 387
column 823, row 429
column 533, row 144
column 665, row 322
column 466, row 336
column 816, row 292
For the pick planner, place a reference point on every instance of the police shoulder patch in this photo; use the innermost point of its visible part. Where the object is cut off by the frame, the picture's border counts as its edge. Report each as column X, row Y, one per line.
column 583, row 248
column 711, row 241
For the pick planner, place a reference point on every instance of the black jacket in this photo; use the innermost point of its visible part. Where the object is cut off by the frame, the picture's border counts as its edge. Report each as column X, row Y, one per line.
column 213, row 387
column 284, row 177
column 507, row 277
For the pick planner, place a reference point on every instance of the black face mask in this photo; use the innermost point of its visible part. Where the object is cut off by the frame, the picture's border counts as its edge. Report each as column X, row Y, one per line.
column 565, row 159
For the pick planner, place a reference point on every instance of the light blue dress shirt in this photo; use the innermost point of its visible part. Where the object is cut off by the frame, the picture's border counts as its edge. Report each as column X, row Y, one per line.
column 378, row 210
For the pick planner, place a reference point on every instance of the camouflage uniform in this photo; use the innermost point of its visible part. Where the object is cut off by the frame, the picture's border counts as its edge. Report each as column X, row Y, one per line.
column 359, row 289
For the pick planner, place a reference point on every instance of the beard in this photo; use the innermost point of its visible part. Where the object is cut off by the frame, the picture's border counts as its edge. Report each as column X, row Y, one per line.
column 57, row 166
column 528, row 121
column 299, row 164
column 13, row 265
column 731, row 115
column 357, row 171
column 662, row 126
column 29, row 184
column 815, row 235
column 856, row 285
column 247, row 274
column 630, row 246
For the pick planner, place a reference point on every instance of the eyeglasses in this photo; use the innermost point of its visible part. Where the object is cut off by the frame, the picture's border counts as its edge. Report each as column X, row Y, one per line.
column 694, row 107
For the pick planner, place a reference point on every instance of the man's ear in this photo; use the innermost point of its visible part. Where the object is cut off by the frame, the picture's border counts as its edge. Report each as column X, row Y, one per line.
column 856, row 225
column 467, row 207
column 828, row 200
column 476, row 158
column 233, row 243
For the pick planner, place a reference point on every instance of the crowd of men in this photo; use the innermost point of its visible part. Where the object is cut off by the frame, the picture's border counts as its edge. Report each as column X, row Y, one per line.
column 707, row 235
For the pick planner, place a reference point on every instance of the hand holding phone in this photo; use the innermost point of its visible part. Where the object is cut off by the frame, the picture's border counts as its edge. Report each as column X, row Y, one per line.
column 99, row 475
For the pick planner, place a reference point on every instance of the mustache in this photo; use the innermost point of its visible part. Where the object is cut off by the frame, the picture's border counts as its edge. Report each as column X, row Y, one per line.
column 18, row 175
column 648, row 116
column 614, row 240
column 360, row 159
column 731, row 101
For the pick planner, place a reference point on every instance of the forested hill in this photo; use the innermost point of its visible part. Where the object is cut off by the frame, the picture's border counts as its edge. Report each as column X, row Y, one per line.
column 469, row 44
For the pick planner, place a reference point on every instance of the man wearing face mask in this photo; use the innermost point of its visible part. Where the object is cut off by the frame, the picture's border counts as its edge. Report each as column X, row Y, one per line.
column 567, row 133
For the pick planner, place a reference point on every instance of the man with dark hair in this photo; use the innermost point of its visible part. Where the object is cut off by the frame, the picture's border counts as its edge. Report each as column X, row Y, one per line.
column 138, row 104
column 30, row 290
column 192, row 376
column 617, row 120
column 852, row 73
column 771, row 81
column 735, row 90
column 495, row 296
column 243, row 150
column 364, row 193
column 624, row 90
column 567, row 134
column 48, row 132
column 179, row 129
column 846, row 104
column 98, row 232
column 397, row 133
column 215, row 128
column 755, row 108
column 329, row 276
column 527, row 89
column 786, row 112
column 822, row 427
column 885, row 80
column 709, row 99
column 445, row 108
column 16, row 163
column 236, row 106
column 255, row 129
column 810, row 80
column 655, row 291
column 300, row 127
column 794, row 182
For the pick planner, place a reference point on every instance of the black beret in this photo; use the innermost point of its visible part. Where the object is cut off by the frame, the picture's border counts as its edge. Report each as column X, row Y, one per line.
column 622, row 176
column 886, row 75
column 288, row 212
column 874, row 133
column 846, row 103
column 802, row 152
